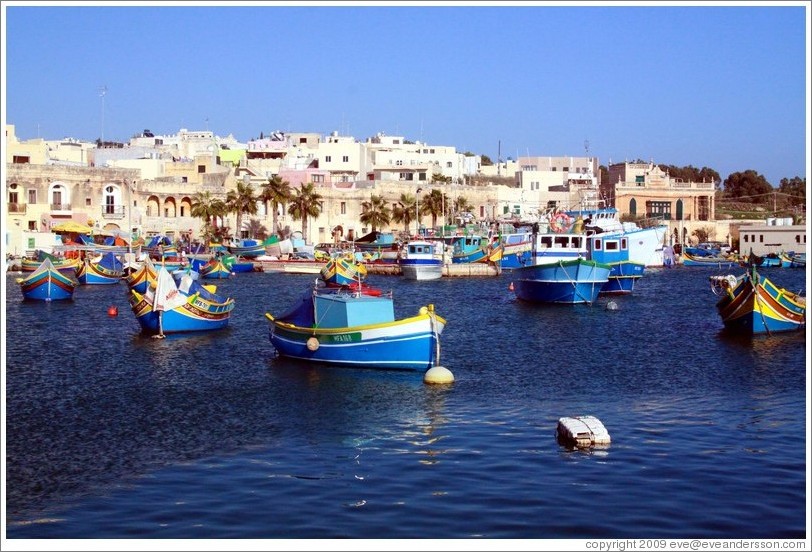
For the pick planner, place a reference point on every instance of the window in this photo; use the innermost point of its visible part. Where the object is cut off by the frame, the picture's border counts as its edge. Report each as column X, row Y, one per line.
column 422, row 176
column 32, row 197
column 448, row 164
column 88, row 202
column 343, row 207
column 318, row 178
column 201, row 169
column 184, row 179
column 399, row 163
column 32, row 225
column 566, row 169
column 346, row 159
column 639, row 180
column 660, row 209
column 328, row 158
column 12, row 194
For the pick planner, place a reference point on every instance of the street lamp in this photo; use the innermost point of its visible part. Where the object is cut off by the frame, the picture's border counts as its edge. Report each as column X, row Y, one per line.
column 417, row 212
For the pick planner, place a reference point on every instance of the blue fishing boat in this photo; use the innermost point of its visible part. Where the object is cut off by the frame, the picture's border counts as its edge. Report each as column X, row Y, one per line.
column 140, row 278
column 470, row 249
column 104, row 270
column 751, row 304
column 169, row 307
column 247, row 248
column 515, row 249
column 565, row 281
column 613, row 249
column 687, row 259
column 47, row 283
column 422, row 260
column 354, row 329
column 791, row 259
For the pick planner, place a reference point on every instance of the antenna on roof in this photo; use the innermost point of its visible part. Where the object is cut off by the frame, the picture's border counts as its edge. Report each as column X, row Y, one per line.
column 102, row 92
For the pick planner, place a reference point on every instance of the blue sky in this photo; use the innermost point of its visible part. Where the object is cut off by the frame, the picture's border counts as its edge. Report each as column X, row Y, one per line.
column 722, row 86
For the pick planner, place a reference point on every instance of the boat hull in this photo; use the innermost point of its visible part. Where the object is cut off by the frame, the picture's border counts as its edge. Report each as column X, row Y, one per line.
column 196, row 315
column 568, row 282
column 48, row 284
column 408, row 344
column 755, row 305
column 421, row 269
column 623, row 277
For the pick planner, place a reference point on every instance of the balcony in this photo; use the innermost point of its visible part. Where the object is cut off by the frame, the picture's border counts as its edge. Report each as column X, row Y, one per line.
column 18, row 208
column 113, row 211
column 61, row 208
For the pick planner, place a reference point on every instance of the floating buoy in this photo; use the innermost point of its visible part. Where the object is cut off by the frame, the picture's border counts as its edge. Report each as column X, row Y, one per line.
column 611, row 305
column 112, row 310
column 438, row 374
column 510, row 287
column 312, row 344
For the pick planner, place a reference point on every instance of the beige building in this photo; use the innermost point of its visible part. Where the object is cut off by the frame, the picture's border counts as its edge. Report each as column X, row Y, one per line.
column 644, row 190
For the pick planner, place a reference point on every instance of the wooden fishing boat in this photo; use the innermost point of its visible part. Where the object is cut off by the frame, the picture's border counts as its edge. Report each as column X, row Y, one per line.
column 140, row 278
column 687, row 259
column 215, row 269
column 247, row 248
column 343, row 271
column 46, row 283
column 752, row 304
column 168, row 307
column 353, row 329
column 66, row 266
column 106, row 269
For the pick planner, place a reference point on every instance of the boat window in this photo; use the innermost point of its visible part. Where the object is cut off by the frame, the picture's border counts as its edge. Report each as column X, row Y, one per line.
column 611, row 245
column 596, row 245
column 562, row 241
column 624, row 244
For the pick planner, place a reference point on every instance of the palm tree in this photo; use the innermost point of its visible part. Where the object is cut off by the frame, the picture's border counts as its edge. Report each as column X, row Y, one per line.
column 207, row 207
column 404, row 211
column 277, row 192
column 461, row 205
column 375, row 212
column 242, row 200
column 433, row 205
column 256, row 229
column 305, row 202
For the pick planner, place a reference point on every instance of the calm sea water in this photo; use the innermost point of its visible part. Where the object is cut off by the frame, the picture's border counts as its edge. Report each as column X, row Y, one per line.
column 113, row 435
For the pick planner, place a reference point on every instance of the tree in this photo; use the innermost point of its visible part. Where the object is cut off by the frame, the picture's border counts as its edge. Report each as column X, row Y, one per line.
column 438, row 177
column 691, row 173
column 747, row 186
column 433, row 205
column 795, row 188
column 277, row 192
column 207, row 207
column 485, row 160
column 305, row 202
column 375, row 212
column 256, row 229
column 461, row 205
column 242, row 200
column 404, row 211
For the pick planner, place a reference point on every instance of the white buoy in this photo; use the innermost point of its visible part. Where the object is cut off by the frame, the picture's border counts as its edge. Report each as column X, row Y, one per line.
column 312, row 343
column 438, row 374
column 611, row 305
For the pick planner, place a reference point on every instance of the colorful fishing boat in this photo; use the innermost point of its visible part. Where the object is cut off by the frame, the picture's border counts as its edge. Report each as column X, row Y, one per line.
column 46, row 283
column 752, row 304
column 140, row 278
column 791, row 259
column 247, row 248
column 470, row 249
column 353, row 329
column 66, row 266
column 215, row 269
column 422, row 260
column 169, row 307
column 687, row 259
column 571, row 282
column 343, row 271
column 106, row 269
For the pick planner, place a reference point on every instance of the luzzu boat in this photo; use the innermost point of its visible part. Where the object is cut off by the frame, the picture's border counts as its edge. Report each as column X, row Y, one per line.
column 343, row 271
column 107, row 269
column 167, row 307
column 46, row 283
column 354, row 329
column 215, row 269
column 751, row 304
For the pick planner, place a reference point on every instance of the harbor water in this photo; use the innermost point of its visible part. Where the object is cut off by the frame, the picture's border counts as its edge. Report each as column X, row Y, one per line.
column 114, row 435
